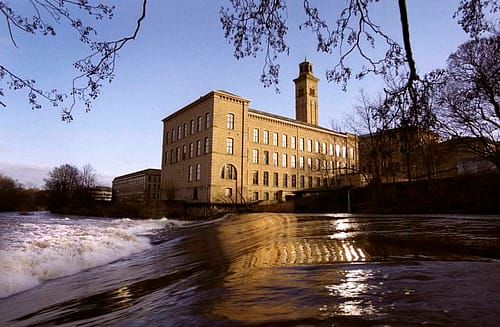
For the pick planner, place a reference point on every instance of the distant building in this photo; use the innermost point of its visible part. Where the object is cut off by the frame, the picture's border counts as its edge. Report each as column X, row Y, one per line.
column 142, row 185
column 218, row 150
column 399, row 154
column 410, row 154
column 460, row 155
column 102, row 193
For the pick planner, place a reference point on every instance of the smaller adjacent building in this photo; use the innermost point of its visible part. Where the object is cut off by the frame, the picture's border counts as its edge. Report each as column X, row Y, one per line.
column 461, row 155
column 143, row 185
column 102, row 193
column 400, row 155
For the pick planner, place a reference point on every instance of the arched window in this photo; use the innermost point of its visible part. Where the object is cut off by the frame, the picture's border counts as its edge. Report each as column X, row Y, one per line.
column 228, row 172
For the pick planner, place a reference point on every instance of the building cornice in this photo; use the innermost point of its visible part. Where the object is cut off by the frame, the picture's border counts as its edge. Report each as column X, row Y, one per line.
column 221, row 93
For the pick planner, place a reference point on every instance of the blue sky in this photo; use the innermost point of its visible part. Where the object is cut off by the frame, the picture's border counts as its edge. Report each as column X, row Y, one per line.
column 180, row 54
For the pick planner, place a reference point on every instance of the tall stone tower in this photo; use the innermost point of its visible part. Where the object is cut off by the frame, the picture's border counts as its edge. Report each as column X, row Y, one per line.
column 306, row 94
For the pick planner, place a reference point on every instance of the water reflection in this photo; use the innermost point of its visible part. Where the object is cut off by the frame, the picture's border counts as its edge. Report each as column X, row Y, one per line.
column 260, row 251
column 350, row 294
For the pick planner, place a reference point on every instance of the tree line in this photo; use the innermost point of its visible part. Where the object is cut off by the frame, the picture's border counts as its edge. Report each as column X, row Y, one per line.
column 66, row 187
column 16, row 197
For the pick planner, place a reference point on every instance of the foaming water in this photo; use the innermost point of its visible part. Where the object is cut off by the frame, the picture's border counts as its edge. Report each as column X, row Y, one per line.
column 35, row 249
column 258, row 269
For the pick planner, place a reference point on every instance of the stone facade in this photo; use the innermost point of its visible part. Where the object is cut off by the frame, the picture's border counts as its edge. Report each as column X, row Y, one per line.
column 218, row 150
column 140, row 186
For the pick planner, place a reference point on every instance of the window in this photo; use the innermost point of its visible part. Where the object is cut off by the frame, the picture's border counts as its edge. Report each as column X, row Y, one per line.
column 294, row 180
column 166, row 138
column 207, row 120
column 172, row 135
column 284, row 160
column 309, row 145
column 301, row 144
column 293, row 161
column 256, row 135
column 302, row 181
column 190, row 173
column 179, row 132
column 309, row 163
column 275, row 179
column 192, row 127
column 275, row 139
column 228, row 192
column 330, row 152
column 266, row 137
column 230, row 121
column 344, row 151
column 265, row 180
column 293, row 142
column 185, row 129
column 351, row 153
column 228, row 172
column 207, row 145
column 318, row 181
column 317, row 163
column 301, row 162
column 198, row 171
column 255, row 156
column 316, row 146
column 255, row 196
column 266, row 196
column 265, row 158
column 337, row 150
column 199, row 124
column 323, row 148
column 284, row 140
column 172, row 156
column 276, row 196
column 229, row 145
column 309, row 181
column 177, row 154
column 285, row 180
column 255, row 177
column 184, row 152
column 191, row 150
column 275, row 159
column 198, row 148
column 165, row 160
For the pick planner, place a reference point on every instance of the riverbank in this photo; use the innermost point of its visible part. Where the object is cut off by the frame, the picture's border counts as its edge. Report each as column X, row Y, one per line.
column 468, row 194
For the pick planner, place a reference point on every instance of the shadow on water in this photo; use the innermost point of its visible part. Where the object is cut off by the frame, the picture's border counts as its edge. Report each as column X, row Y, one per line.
column 286, row 269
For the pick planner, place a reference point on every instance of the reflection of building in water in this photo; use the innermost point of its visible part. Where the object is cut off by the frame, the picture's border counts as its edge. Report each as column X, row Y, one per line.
column 261, row 247
column 304, row 251
column 275, row 242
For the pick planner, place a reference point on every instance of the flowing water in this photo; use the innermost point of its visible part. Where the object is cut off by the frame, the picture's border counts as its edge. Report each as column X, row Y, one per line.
column 254, row 269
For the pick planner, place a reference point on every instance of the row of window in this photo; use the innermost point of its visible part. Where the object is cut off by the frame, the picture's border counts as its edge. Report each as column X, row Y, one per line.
column 319, row 164
column 228, row 192
column 289, row 180
column 303, row 144
column 286, row 141
column 185, row 130
column 187, row 151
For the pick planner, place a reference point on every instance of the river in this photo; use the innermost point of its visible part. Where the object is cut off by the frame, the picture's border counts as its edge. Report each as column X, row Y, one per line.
column 258, row 269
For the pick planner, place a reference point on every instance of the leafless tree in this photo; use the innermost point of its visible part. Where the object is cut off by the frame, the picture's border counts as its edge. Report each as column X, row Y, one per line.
column 470, row 96
column 254, row 26
column 96, row 67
